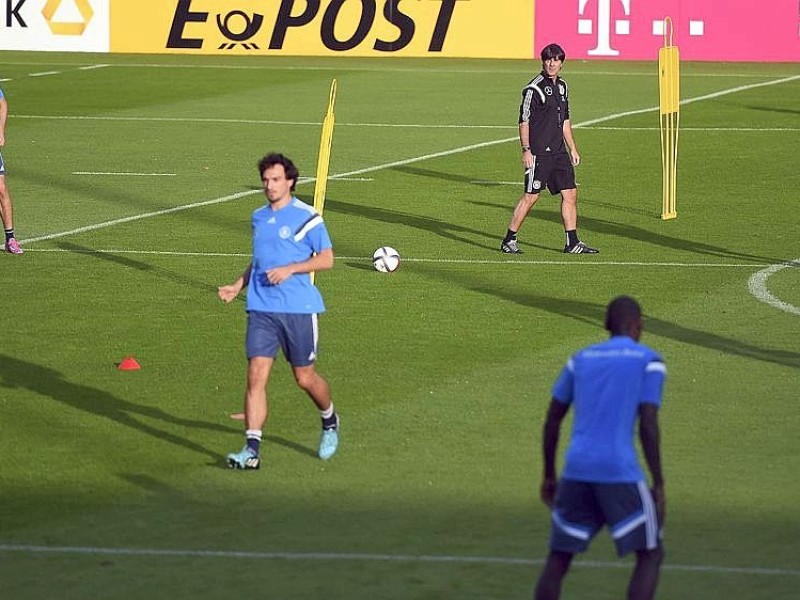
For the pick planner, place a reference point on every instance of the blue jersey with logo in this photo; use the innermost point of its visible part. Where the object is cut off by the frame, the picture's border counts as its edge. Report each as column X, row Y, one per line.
column 280, row 237
column 606, row 383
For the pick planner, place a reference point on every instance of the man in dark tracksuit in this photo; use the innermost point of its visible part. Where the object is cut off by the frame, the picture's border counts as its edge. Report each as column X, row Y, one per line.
column 549, row 153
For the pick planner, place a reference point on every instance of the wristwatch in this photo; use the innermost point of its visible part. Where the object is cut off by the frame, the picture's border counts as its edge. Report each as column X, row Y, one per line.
column 526, row 148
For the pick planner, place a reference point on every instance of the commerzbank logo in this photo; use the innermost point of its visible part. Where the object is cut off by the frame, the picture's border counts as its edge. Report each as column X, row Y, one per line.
column 72, row 27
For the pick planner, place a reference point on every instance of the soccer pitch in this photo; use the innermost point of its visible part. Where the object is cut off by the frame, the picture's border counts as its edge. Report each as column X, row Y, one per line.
column 134, row 179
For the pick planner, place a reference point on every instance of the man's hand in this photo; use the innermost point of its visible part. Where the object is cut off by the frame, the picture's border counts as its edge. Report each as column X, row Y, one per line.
column 527, row 160
column 280, row 274
column 547, row 492
column 661, row 502
column 228, row 293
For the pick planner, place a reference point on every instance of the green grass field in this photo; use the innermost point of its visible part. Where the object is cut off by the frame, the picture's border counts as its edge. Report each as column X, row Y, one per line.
column 113, row 484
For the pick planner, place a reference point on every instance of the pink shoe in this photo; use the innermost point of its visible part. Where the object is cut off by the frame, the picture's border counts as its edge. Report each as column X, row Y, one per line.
column 13, row 247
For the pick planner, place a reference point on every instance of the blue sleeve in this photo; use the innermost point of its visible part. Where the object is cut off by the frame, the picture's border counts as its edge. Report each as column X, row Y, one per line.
column 655, row 373
column 564, row 385
column 319, row 239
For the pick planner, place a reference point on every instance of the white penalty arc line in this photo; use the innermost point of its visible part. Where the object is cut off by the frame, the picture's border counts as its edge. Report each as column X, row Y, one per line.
column 757, row 284
column 399, row 558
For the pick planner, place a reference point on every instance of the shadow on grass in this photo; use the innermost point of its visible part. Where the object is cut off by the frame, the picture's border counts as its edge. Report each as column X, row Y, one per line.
column 138, row 265
column 594, row 314
column 446, row 229
column 299, row 448
column 49, row 383
column 82, row 188
column 632, row 232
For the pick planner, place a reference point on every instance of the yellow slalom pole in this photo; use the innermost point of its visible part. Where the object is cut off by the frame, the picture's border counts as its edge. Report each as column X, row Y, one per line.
column 324, row 159
column 669, row 95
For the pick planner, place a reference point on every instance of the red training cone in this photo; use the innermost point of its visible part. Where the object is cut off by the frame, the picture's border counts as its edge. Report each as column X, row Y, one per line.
column 129, row 364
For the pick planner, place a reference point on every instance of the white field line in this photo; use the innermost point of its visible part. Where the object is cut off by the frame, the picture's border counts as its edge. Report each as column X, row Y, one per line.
column 757, row 284
column 363, row 557
column 124, row 173
column 488, row 182
column 511, row 262
column 703, row 129
column 45, row 73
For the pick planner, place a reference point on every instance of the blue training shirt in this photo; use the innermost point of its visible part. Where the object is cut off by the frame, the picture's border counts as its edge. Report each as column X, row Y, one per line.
column 606, row 383
column 280, row 237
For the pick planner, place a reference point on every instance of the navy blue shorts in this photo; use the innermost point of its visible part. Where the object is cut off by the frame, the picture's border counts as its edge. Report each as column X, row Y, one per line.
column 583, row 508
column 552, row 171
column 295, row 334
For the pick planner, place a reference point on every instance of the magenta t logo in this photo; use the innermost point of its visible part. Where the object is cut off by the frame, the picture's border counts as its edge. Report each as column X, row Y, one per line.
column 603, row 25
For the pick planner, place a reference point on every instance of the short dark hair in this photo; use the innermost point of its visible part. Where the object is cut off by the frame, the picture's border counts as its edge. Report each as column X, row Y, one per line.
column 270, row 160
column 622, row 312
column 553, row 51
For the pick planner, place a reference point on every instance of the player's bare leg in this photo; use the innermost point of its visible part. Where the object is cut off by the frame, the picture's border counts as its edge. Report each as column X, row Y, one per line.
column 524, row 205
column 318, row 390
column 569, row 209
column 645, row 574
column 522, row 210
column 256, row 407
column 256, row 410
column 549, row 585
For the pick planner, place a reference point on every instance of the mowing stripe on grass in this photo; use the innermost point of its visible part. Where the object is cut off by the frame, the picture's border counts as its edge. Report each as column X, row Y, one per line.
column 391, row 69
column 585, row 124
column 239, row 195
column 254, row 122
column 388, row 165
column 348, row 556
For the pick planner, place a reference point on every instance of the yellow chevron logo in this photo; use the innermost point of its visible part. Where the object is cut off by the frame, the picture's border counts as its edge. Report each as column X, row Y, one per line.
column 61, row 28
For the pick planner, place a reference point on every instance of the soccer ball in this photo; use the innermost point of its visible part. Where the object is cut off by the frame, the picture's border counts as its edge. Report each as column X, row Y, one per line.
column 386, row 259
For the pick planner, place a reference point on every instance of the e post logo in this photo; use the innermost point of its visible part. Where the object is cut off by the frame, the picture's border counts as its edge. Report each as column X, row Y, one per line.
column 326, row 27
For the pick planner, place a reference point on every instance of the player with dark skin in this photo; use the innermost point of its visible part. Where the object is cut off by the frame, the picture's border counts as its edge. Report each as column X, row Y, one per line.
column 626, row 322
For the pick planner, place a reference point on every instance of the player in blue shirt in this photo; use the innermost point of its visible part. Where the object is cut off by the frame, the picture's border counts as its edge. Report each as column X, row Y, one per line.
column 6, row 208
column 290, row 242
column 610, row 385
